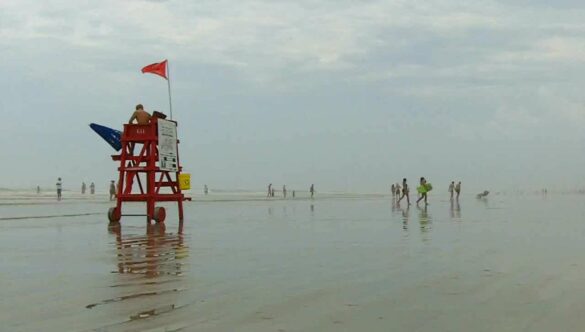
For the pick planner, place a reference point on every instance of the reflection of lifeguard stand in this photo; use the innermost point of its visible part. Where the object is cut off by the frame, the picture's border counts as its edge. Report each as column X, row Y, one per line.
column 157, row 167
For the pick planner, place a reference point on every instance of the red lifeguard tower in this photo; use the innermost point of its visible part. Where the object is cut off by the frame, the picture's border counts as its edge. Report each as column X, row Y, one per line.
column 150, row 159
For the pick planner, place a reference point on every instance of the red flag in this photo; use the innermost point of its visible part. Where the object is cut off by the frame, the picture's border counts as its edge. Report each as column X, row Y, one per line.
column 159, row 69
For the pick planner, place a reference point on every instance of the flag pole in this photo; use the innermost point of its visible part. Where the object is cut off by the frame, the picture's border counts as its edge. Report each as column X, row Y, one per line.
column 169, row 86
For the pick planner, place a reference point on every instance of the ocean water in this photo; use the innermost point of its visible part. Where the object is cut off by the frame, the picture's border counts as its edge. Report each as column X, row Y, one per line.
column 335, row 263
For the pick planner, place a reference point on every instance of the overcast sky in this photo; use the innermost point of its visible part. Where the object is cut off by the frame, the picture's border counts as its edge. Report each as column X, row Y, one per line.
column 349, row 95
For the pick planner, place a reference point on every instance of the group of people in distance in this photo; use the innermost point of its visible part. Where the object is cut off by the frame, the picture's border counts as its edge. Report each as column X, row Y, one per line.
column 400, row 193
column 59, row 186
column 271, row 191
column 91, row 188
column 455, row 189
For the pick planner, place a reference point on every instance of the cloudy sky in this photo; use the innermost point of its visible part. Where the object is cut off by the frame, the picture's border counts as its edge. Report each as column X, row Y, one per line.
column 350, row 95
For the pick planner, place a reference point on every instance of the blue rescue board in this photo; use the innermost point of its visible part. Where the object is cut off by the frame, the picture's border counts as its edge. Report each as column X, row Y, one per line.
column 112, row 136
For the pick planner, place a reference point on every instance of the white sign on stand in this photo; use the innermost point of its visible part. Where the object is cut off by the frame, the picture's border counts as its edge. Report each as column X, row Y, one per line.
column 167, row 146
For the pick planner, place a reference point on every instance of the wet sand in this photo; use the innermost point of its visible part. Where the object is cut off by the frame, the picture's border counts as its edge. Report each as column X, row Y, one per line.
column 330, row 264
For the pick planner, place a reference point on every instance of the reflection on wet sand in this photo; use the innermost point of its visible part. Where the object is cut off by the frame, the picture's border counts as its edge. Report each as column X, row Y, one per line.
column 152, row 255
column 424, row 219
column 405, row 217
column 149, row 269
column 455, row 210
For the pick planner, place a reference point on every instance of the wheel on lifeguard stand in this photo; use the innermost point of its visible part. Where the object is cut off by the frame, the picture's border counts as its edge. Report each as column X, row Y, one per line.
column 160, row 214
column 114, row 214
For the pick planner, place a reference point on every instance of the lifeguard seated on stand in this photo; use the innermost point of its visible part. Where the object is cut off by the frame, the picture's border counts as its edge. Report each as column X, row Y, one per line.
column 140, row 115
column 142, row 118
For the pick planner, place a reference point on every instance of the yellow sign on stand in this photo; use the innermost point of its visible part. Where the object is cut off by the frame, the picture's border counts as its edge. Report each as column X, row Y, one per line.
column 185, row 181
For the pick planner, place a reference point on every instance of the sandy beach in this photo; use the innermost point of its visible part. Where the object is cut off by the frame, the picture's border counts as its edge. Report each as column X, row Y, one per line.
column 332, row 264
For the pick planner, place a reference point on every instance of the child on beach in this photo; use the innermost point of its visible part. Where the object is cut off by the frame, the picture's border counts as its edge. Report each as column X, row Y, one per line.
column 112, row 190
column 404, row 192
column 458, row 189
column 452, row 188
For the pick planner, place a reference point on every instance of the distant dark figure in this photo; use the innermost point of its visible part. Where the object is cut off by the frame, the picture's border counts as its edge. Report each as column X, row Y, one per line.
column 269, row 190
column 452, row 188
column 405, row 192
column 458, row 189
column 312, row 190
column 112, row 190
column 483, row 194
column 83, row 187
column 294, row 194
column 205, row 190
column 272, row 193
column 284, row 191
column 59, row 188
column 92, row 188
column 38, row 189
column 393, row 191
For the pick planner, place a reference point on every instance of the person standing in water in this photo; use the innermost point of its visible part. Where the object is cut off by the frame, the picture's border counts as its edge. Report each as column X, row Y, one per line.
column 404, row 192
column 312, row 190
column 83, row 187
column 269, row 190
column 397, row 189
column 59, row 188
column 458, row 189
column 422, row 189
column 38, row 190
column 205, row 189
column 392, row 188
column 284, row 191
column 112, row 190
column 452, row 188
column 92, row 188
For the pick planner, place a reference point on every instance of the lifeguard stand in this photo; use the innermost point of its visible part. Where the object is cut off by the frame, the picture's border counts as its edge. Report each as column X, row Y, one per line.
column 149, row 157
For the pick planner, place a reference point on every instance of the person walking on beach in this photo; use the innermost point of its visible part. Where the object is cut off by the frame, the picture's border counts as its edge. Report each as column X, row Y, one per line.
column 452, row 188
column 404, row 192
column 59, row 188
column 92, row 188
column 112, row 190
column 205, row 189
column 284, row 191
column 312, row 190
column 397, row 190
column 422, row 189
column 38, row 190
column 269, row 190
column 83, row 187
column 458, row 189
column 392, row 188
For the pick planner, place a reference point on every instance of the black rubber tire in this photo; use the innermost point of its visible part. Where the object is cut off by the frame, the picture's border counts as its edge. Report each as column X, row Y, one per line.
column 114, row 215
column 160, row 214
